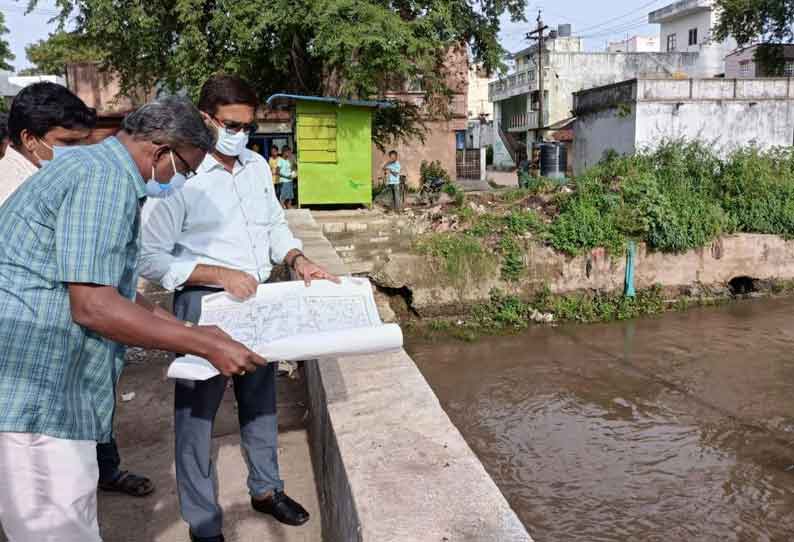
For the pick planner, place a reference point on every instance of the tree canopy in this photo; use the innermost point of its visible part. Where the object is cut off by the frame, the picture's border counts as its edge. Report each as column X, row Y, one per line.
column 50, row 56
column 6, row 56
column 768, row 22
column 349, row 48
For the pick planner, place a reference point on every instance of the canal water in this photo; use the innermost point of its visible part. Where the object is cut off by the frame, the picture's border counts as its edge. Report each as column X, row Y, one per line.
column 677, row 428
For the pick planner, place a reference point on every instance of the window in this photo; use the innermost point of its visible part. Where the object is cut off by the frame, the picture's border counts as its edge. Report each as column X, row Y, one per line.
column 788, row 68
column 693, row 36
column 671, row 43
column 317, row 137
column 744, row 68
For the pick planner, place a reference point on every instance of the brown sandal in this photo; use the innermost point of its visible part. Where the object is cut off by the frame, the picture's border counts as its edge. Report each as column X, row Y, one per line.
column 130, row 484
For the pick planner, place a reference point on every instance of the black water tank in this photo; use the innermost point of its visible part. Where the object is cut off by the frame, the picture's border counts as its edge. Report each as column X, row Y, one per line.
column 553, row 160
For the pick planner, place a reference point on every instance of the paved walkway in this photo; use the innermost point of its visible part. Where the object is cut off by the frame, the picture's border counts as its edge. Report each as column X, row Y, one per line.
column 145, row 434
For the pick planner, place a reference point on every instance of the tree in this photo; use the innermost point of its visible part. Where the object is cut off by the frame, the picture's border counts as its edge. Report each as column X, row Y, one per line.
column 347, row 48
column 768, row 22
column 50, row 56
column 6, row 56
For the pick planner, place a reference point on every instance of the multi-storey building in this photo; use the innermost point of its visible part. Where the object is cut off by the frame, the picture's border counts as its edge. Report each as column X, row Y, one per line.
column 567, row 68
column 686, row 26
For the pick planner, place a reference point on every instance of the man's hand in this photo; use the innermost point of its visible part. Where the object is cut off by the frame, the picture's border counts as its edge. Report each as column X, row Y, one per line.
column 308, row 271
column 230, row 357
column 238, row 283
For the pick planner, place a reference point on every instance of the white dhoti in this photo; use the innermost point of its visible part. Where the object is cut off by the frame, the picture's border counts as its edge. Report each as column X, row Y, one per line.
column 48, row 489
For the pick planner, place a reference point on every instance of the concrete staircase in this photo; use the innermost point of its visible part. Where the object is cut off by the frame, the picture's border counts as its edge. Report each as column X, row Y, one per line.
column 363, row 238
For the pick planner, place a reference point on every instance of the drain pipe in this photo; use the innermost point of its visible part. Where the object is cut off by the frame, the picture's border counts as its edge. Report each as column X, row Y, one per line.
column 631, row 253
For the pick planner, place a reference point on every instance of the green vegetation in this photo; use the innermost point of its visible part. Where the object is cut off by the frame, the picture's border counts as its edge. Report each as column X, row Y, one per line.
column 6, row 56
column 506, row 312
column 461, row 256
column 51, row 56
column 676, row 198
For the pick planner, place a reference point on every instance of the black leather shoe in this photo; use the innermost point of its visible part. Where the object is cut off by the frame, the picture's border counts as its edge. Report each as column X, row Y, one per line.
column 282, row 508
column 218, row 538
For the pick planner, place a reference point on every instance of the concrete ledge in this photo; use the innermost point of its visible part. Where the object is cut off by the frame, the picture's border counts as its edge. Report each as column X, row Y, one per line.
column 389, row 463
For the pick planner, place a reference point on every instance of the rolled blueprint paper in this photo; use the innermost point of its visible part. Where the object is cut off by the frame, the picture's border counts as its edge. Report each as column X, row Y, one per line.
column 320, row 345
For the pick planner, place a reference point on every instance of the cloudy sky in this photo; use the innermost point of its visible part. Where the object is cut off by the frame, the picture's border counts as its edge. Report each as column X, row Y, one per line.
column 598, row 21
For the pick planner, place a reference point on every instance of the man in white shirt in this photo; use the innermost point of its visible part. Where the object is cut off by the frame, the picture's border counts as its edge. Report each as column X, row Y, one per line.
column 224, row 231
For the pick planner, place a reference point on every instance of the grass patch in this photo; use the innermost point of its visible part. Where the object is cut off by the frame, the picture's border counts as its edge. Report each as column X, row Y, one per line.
column 461, row 257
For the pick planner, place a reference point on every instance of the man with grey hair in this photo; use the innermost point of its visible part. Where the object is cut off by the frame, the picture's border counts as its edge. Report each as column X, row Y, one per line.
column 68, row 302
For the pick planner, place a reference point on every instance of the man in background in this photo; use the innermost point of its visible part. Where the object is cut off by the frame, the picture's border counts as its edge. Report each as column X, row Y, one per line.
column 287, row 176
column 273, row 163
column 3, row 134
column 46, row 120
column 43, row 119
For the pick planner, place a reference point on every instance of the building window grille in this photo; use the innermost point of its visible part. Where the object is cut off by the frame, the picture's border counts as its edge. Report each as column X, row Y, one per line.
column 671, row 43
column 693, row 36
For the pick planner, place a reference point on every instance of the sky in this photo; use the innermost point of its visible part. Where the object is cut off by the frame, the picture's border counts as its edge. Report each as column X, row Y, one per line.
column 598, row 21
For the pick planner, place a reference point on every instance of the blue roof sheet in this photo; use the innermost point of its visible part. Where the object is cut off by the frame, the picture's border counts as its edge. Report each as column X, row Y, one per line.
column 287, row 98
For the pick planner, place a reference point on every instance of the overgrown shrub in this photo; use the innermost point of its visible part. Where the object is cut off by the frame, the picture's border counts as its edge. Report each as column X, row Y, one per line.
column 757, row 190
column 433, row 170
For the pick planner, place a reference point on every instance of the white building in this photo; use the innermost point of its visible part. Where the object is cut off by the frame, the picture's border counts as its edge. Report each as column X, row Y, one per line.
column 11, row 84
column 686, row 26
column 478, row 103
column 635, row 44
column 568, row 68
column 725, row 113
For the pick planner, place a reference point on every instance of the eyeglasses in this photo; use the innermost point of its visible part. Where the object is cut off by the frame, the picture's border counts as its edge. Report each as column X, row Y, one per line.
column 235, row 127
column 189, row 171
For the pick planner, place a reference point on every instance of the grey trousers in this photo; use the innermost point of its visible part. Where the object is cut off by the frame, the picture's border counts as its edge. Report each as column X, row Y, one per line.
column 196, row 404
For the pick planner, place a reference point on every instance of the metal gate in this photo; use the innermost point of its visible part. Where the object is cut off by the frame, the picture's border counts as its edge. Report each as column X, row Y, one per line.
column 467, row 164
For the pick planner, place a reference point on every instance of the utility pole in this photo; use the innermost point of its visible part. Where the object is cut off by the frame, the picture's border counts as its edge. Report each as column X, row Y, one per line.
column 538, row 34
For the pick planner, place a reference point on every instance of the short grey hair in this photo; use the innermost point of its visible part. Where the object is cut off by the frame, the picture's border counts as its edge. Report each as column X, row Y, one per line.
column 171, row 121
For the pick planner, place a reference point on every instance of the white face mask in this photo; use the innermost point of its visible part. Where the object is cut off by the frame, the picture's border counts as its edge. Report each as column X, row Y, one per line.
column 230, row 143
column 156, row 189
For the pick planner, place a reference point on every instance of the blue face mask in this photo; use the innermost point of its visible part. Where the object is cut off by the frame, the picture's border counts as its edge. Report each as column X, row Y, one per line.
column 156, row 189
column 57, row 151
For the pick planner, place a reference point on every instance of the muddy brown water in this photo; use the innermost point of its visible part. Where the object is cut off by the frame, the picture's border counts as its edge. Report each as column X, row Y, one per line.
column 677, row 428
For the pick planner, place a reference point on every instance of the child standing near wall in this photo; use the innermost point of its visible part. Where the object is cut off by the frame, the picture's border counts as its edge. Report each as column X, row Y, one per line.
column 392, row 171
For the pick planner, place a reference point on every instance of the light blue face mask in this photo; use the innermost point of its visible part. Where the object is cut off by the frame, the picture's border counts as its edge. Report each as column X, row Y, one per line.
column 156, row 189
column 57, row 151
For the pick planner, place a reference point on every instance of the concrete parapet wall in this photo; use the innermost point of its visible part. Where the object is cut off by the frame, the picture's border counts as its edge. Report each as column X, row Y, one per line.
column 389, row 463
column 758, row 256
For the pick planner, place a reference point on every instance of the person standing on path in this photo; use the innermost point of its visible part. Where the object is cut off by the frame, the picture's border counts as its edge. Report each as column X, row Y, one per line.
column 273, row 163
column 224, row 231
column 392, row 170
column 68, row 303
column 287, row 176
column 48, row 119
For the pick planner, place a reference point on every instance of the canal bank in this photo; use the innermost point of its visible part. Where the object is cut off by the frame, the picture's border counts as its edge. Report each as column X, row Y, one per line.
column 384, row 247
